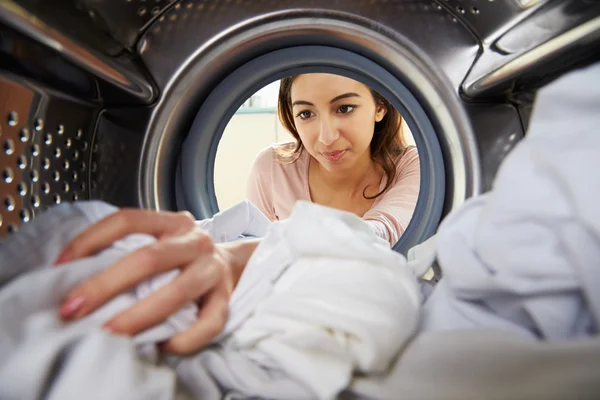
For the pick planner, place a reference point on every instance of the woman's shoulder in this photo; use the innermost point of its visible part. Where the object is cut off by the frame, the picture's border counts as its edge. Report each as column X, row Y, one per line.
column 408, row 161
column 263, row 159
column 276, row 156
column 409, row 152
column 408, row 156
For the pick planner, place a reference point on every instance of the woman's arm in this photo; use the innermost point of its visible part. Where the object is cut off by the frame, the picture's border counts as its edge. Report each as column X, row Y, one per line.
column 237, row 255
column 391, row 215
column 209, row 273
column 259, row 187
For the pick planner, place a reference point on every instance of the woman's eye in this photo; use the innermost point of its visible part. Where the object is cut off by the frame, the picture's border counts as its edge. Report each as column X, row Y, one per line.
column 345, row 109
column 304, row 114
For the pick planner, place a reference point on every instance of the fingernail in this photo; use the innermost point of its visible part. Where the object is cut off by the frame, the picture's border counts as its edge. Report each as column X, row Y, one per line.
column 71, row 306
column 63, row 258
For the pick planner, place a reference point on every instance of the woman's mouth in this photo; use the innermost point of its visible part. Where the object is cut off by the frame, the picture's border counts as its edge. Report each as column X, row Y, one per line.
column 334, row 155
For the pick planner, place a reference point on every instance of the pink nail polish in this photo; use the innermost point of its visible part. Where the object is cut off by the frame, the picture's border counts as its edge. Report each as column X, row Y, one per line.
column 71, row 306
column 63, row 258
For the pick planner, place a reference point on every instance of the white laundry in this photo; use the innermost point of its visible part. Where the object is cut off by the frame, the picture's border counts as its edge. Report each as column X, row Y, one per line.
column 524, row 257
column 240, row 220
column 320, row 299
column 345, row 305
column 31, row 289
column 517, row 312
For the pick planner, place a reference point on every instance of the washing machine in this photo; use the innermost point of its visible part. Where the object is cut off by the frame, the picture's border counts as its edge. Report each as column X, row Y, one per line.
column 126, row 100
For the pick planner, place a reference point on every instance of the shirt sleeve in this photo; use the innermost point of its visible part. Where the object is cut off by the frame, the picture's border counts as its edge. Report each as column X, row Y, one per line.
column 390, row 215
column 259, row 187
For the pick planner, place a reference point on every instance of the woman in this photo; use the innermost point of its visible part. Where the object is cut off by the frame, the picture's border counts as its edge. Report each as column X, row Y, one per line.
column 349, row 153
column 210, row 271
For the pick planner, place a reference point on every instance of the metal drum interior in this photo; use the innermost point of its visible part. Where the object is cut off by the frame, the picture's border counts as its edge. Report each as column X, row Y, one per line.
column 98, row 96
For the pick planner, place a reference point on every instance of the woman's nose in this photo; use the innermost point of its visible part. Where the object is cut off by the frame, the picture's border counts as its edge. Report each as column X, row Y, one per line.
column 328, row 133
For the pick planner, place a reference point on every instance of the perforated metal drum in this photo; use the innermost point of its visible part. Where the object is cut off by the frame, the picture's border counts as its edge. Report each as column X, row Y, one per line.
column 98, row 96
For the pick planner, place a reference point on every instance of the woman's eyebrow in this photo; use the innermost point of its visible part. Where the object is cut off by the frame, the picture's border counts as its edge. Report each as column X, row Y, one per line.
column 302, row 103
column 341, row 96
column 344, row 96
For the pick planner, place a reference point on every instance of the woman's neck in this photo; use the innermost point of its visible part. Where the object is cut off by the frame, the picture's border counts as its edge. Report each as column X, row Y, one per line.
column 353, row 181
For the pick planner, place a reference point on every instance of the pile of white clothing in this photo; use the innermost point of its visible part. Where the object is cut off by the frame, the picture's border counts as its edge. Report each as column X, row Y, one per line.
column 517, row 311
column 322, row 298
column 342, row 306
column 523, row 258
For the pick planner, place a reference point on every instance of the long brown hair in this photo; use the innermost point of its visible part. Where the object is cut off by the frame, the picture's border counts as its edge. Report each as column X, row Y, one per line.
column 386, row 146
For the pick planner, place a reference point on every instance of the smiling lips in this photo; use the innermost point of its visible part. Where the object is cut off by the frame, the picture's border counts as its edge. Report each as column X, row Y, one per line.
column 334, row 155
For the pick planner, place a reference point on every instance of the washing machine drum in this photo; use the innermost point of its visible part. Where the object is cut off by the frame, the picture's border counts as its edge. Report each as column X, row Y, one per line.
column 127, row 101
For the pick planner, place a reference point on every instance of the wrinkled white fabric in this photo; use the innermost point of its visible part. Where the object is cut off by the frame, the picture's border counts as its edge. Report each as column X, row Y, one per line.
column 321, row 298
column 31, row 291
column 517, row 311
column 344, row 305
column 241, row 220
column 524, row 257
column 231, row 224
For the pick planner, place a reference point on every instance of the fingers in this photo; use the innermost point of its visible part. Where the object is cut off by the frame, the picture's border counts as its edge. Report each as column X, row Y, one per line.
column 210, row 323
column 193, row 283
column 122, row 223
column 164, row 255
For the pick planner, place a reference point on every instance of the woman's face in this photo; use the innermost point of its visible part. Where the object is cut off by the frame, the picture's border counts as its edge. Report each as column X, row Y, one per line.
column 335, row 117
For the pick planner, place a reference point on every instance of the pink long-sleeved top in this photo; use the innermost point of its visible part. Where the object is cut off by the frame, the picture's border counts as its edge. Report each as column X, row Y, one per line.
column 274, row 188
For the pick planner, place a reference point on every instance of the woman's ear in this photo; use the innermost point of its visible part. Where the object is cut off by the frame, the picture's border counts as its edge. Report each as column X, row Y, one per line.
column 380, row 112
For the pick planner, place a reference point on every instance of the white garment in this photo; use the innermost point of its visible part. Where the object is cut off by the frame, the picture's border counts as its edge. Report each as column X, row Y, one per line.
column 240, row 220
column 32, row 335
column 344, row 305
column 524, row 257
column 517, row 312
column 321, row 298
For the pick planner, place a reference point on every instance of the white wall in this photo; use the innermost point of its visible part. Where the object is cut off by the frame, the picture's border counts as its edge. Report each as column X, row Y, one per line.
column 246, row 135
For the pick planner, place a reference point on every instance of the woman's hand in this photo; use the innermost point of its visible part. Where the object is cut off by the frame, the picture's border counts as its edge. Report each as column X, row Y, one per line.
column 208, row 275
